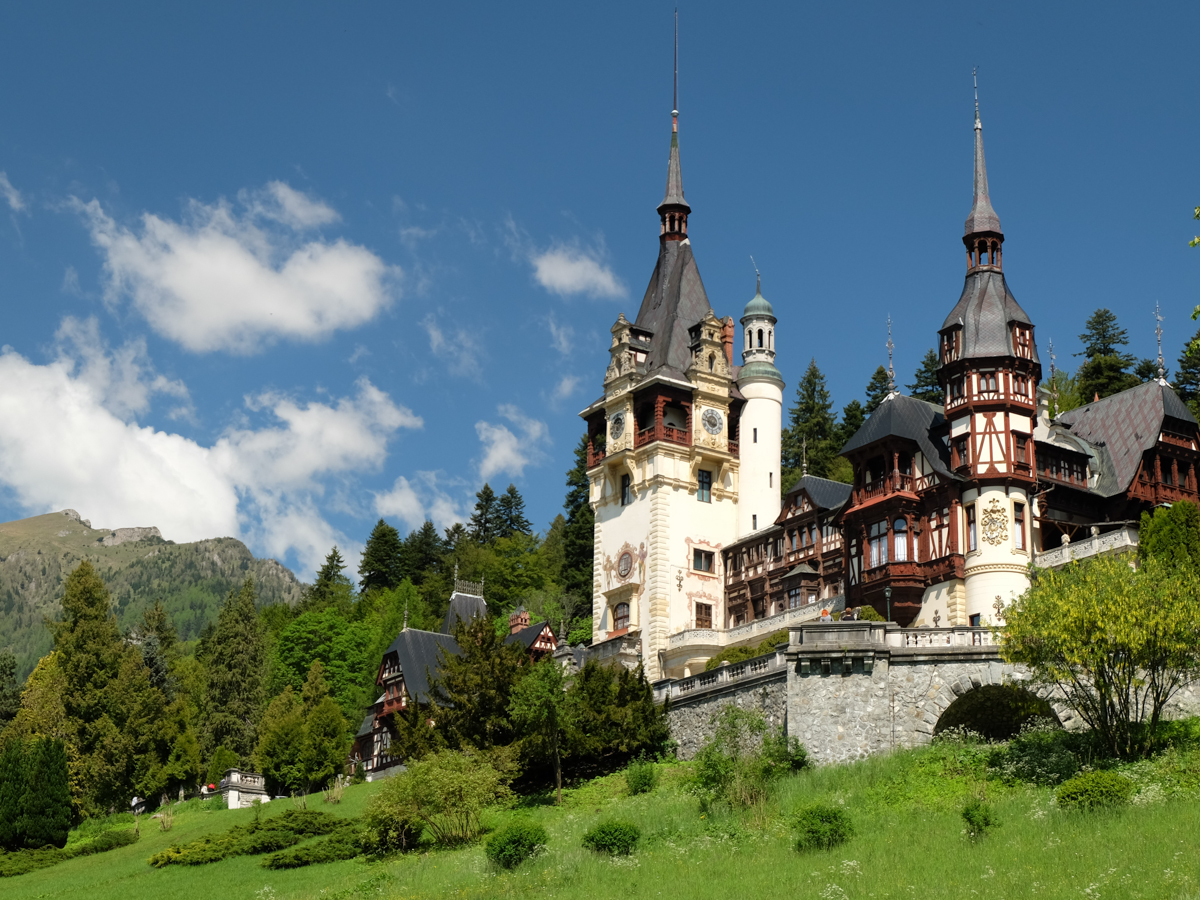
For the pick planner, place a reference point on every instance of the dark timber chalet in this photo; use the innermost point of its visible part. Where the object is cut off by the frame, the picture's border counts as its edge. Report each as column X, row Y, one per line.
column 412, row 662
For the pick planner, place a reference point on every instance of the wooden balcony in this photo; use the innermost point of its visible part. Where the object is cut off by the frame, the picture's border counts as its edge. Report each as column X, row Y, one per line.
column 666, row 433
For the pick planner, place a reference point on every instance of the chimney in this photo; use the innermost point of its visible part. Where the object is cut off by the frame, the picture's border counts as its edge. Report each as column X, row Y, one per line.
column 727, row 339
column 518, row 620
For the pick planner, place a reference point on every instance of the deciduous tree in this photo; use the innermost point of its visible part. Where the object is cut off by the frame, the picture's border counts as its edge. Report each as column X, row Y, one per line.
column 541, row 715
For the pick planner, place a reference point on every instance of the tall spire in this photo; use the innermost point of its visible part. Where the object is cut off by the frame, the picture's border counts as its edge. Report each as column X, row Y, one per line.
column 1158, row 320
column 983, row 219
column 891, row 370
column 674, row 209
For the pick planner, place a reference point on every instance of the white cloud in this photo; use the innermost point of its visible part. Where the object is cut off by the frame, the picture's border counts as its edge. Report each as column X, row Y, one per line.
column 288, row 206
column 562, row 337
column 222, row 281
column 565, row 388
column 417, row 500
column 567, row 270
column 65, row 441
column 15, row 201
column 459, row 350
column 509, row 452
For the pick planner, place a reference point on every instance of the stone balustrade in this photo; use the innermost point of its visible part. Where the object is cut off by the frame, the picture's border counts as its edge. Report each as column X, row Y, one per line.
column 1120, row 541
column 740, row 634
column 766, row 667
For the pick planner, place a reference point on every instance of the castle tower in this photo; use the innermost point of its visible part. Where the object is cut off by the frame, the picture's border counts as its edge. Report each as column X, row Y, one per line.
column 990, row 371
column 761, row 424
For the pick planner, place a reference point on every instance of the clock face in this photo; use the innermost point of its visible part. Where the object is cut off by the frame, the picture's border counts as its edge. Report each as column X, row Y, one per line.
column 616, row 425
column 625, row 565
column 712, row 421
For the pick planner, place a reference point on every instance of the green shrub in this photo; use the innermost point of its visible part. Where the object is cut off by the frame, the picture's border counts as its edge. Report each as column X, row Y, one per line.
column 784, row 753
column 822, row 827
column 612, row 837
column 740, row 654
column 338, row 847
column 389, row 830
column 979, row 818
column 28, row 860
column 260, row 836
column 515, row 843
column 741, row 761
column 1043, row 753
column 641, row 777
column 1094, row 790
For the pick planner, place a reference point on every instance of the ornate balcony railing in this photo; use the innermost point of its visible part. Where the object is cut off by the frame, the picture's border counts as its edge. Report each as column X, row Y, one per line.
column 728, row 637
column 773, row 663
column 668, row 433
column 1122, row 541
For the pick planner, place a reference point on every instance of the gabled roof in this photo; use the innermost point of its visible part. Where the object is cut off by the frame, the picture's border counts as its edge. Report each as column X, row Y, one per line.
column 527, row 635
column 910, row 418
column 824, row 493
column 675, row 300
column 1126, row 425
column 985, row 309
column 465, row 607
column 419, row 656
column 802, row 569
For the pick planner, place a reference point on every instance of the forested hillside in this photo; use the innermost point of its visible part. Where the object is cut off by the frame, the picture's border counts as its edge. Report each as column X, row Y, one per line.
column 139, row 567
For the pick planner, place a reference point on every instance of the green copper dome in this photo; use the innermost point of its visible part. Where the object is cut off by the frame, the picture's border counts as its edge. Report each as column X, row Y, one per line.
column 758, row 305
column 760, row 368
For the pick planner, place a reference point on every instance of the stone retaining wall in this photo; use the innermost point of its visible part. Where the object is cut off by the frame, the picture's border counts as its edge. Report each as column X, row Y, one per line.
column 691, row 722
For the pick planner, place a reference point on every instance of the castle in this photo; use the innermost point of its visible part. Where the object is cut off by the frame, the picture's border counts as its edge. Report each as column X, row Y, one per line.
column 699, row 547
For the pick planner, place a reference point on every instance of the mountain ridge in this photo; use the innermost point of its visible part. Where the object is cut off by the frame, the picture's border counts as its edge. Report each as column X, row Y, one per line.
column 138, row 565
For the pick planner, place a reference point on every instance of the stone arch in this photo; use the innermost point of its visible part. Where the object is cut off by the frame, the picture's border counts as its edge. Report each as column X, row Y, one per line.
column 996, row 712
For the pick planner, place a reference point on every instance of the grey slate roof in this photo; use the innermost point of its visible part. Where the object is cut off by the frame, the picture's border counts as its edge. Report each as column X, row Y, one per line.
column 982, row 218
column 985, row 310
column 367, row 726
column 675, row 300
column 1125, row 426
column 462, row 606
column 802, row 569
column 674, row 193
column 825, row 494
column 417, row 652
column 527, row 635
column 910, row 418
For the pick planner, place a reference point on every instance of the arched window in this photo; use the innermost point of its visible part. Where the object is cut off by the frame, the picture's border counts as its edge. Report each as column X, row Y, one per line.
column 900, row 530
column 621, row 616
column 760, row 343
column 711, row 362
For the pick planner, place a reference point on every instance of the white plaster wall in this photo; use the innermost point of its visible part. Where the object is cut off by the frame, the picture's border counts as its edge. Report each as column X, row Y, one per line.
column 939, row 598
column 994, row 570
column 759, row 492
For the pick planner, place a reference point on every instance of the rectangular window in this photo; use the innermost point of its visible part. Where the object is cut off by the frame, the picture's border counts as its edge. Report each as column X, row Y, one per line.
column 702, row 560
column 756, row 435
column 972, row 535
column 704, row 489
column 704, row 615
column 754, row 523
column 878, row 545
column 975, row 623
column 1022, row 447
column 1019, row 525
column 621, row 616
column 626, row 493
column 795, row 600
column 770, row 479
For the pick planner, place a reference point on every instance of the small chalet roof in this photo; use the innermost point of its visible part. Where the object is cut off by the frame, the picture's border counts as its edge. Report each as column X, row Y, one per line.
column 367, row 726
column 465, row 607
column 905, row 417
column 418, row 654
column 527, row 635
column 1126, row 425
column 675, row 300
column 824, row 493
column 984, row 310
column 802, row 569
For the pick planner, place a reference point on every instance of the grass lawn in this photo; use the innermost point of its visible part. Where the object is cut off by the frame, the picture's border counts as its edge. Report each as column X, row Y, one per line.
column 909, row 844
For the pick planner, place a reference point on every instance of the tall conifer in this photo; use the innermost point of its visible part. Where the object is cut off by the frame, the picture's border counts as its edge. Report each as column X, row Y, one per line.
column 511, row 513
column 925, row 384
column 578, row 542
column 46, row 805
column 877, row 389
column 382, row 564
column 810, row 429
column 12, row 792
column 10, row 690
column 235, row 672
column 484, row 526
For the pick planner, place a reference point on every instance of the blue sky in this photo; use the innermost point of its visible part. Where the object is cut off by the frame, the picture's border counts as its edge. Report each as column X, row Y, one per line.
column 277, row 271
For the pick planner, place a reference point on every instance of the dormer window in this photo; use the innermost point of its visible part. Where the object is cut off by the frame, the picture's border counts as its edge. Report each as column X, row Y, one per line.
column 1023, row 341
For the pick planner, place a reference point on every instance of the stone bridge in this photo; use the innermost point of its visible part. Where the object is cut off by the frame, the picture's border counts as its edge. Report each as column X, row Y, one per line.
column 848, row 690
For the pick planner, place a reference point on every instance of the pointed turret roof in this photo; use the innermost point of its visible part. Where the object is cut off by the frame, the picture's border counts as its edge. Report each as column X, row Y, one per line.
column 983, row 218
column 674, row 193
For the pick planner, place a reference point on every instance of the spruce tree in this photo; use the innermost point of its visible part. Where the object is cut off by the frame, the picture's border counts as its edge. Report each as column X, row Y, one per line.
column 578, row 539
column 332, row 587
column 1106, row 370
column 46, row 805
column 455, row 535
column 1187, row 379
column 925, row 384
column 158, row 639
column 422, row 552
column 853, row 416
column 235, row 660
column 382, row 564
column 10, row 690
column 810, row 429
column 323, row 753
column 877, row 389
column 12, row 793
column 484, row 526
column 1147, row 370
column 1102, row 336
column 511, row 513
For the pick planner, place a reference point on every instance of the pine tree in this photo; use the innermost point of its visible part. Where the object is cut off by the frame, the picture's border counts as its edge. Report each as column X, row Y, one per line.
column 925, row 384
column 332, row 588
column 46, row 804
column 853, row 416
column 1103, row 376
column 578, row 539
column 158, row 639
column 324, row 749
column 455, row 535
column 1187, row 379
column 10, row 690
column 382, row 564
column 877, row 390
column 511, row 513
column 1147, row 370
column 484, row 526
column 235, row 673
column 422, row 552
column 12, row 793
column 1102, row 337
column 810, row 430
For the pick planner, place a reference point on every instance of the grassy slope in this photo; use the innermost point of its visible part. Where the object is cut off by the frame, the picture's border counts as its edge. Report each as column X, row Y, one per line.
column 36, row 554
column 909, row 845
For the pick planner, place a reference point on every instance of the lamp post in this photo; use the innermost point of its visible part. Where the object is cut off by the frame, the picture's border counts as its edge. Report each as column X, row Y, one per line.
column 887, row 592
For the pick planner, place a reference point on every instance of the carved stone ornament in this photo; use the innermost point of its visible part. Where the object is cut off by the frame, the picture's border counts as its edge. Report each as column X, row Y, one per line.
column 712, row 421
column 995, row 523
column 616, row 425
